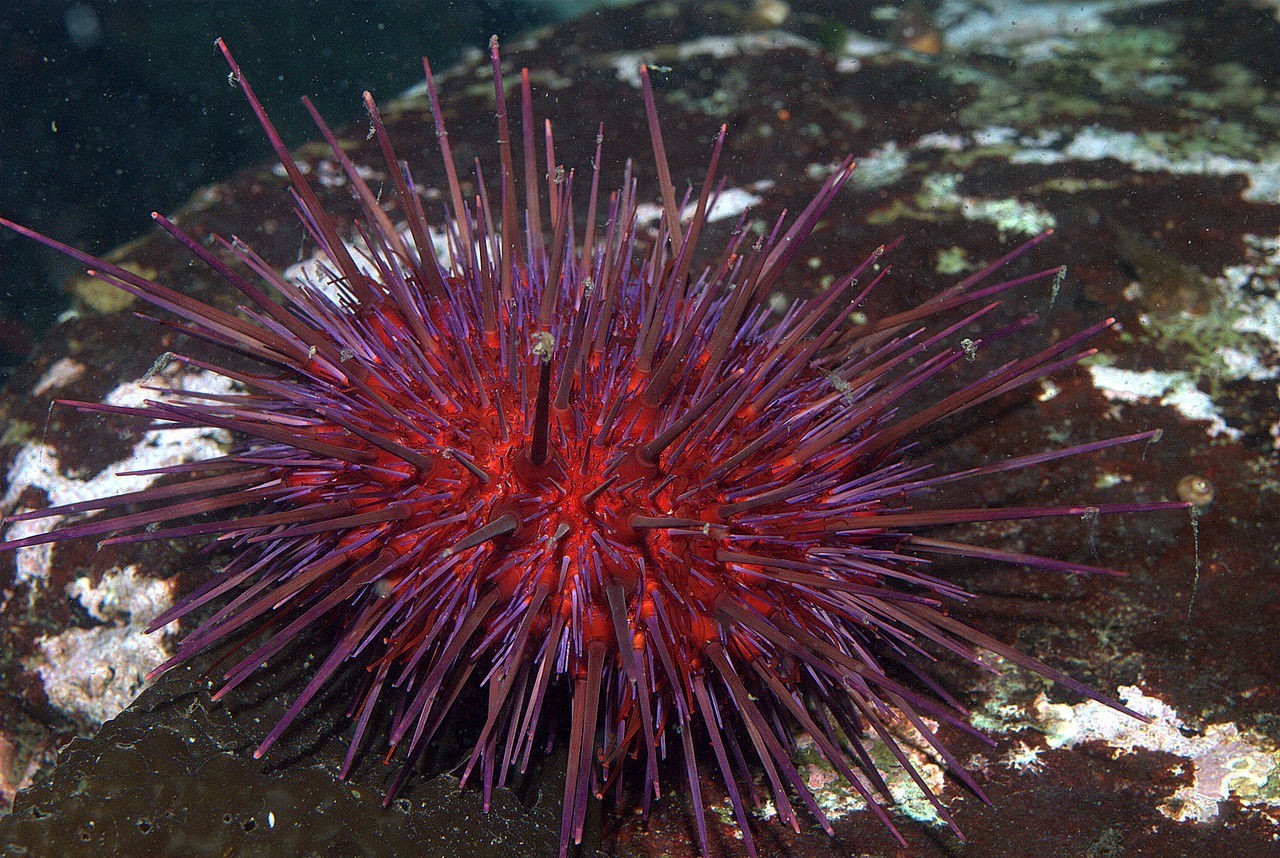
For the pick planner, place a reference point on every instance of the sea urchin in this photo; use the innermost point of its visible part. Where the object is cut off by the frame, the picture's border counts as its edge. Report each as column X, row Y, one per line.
column 559, row 460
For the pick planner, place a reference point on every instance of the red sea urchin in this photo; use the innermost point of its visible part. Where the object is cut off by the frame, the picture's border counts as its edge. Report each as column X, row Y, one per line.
column 580, row 474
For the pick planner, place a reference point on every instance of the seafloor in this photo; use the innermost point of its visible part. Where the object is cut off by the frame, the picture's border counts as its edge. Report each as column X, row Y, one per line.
column 1147, row 135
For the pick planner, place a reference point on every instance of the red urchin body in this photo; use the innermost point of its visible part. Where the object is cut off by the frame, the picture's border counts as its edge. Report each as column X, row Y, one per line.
column 584, row 474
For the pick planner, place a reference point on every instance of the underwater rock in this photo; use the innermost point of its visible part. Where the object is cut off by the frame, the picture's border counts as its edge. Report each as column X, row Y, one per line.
column 174, row 775
column 1145, row 112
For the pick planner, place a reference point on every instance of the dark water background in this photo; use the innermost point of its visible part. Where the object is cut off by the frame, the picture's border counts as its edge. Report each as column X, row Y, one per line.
column 109, row 110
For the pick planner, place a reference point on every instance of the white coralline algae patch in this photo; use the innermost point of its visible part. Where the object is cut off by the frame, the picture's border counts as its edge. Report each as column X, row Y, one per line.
column 60, row 374
column 124, row 596
column 880, row 168
column 1235, row 337
column 838, row 799
column 1152, row 152
column 37, row 465
column 315, row 273
column 627, row 65
column 1224, row 761
column 1252, row 288
column 1148, row 152
column 941, row 193
column 726, row 204
column 94, row 673
column 1010, row 27
column 1174, row 389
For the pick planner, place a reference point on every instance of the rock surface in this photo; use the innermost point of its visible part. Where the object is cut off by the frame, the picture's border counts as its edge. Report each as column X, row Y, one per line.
column 1144, row 133
column 174, row 775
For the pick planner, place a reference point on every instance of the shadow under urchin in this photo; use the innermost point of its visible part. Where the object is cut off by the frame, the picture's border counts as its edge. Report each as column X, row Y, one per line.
column 577, row 465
